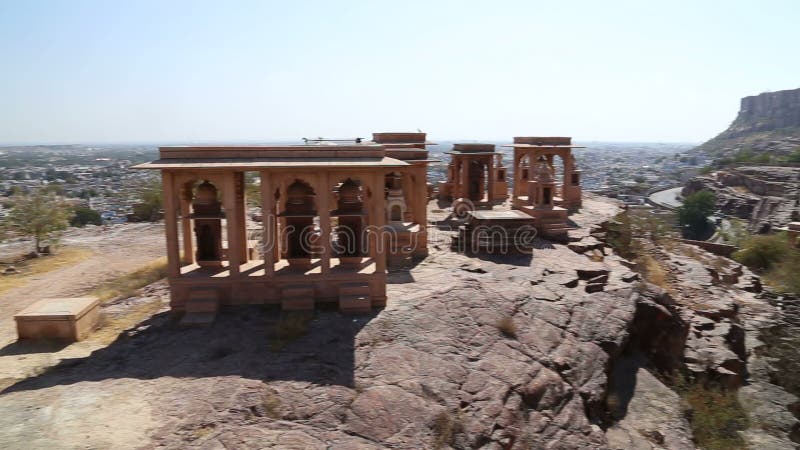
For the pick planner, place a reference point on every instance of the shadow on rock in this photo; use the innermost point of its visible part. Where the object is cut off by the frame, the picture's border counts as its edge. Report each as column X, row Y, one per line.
column 250, row 342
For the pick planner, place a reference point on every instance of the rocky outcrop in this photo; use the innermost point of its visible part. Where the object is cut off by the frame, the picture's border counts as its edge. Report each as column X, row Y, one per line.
column 727, row 320
column 489, row 352
column 766, row 196
column 766, row 123
column 766, row 112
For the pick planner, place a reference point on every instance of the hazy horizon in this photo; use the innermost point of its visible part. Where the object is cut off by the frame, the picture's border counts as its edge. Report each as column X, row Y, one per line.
column 299, row 141
column 150, row 72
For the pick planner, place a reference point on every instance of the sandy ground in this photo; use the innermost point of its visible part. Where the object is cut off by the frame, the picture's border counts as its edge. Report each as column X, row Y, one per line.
column 115, row 251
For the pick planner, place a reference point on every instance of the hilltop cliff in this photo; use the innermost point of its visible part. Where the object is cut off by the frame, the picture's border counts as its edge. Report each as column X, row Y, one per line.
column 768, row 123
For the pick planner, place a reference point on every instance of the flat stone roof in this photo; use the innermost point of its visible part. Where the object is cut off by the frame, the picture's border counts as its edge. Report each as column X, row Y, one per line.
column 543, row 146
column 392, row 138
column 255, row 157
column 512, row 214
column 58, row 308
column 271, row 163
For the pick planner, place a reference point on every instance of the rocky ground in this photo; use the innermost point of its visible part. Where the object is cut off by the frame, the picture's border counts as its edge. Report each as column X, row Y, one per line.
column 767, row 197
column 485, row 352
column 725, row 314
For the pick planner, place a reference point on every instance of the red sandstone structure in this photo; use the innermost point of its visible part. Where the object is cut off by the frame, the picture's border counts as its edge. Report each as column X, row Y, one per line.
column 475, row 173
column 406, row 196
column 333, row 216
column 536, row 191
column 324, row 211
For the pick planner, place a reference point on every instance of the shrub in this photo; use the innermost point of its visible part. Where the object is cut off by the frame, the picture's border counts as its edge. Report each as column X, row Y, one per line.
column 762, row 252
column 716, row 415
column 291, row 326
column 445, row 427
column 784, row 276
column 693, row 214
column 85, row 216
column 794, row 156
column 507, row 327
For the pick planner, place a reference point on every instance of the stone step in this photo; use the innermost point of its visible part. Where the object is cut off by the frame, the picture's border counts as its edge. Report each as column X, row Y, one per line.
column 204, row 293
column 304, row 303
column 296, row 290
column 202, row 305
column 197, row 319
column 355, row 304
column 354, row 289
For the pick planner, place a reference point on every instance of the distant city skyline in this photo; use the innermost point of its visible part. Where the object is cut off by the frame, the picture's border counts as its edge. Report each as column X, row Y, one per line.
column 152, row 72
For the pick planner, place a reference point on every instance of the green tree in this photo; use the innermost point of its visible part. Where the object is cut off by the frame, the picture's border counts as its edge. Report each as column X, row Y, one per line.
column 693, row 214
column 84, row 216
column 150, row 205
column 41, row 216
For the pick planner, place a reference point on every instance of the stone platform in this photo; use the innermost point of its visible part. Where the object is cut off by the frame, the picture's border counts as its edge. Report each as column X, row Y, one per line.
column 69, row 319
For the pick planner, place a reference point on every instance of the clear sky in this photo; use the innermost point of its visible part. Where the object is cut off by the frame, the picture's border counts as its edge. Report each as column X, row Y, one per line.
column 169, row 71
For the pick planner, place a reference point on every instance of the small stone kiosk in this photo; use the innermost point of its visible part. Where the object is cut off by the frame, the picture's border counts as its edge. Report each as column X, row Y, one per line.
column 406, row 196
column 475, row 173
column 528, row 151
column 536, row 191
column 323, row 209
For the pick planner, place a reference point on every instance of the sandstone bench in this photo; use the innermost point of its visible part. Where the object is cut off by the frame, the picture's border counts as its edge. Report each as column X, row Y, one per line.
column 70, row 319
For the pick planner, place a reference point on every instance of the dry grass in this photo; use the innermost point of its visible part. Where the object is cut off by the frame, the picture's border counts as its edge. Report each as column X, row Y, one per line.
column 507, row 326
column 716, row 416
column 653, row 272
column 291, row 326
column 445, row 427
column 595, row 255
column 127, row 285
column 271, row 405
column 110, row 327
column 42, row 264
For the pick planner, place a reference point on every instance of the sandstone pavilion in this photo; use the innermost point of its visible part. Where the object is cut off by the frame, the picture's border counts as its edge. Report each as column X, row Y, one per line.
column 332, row 216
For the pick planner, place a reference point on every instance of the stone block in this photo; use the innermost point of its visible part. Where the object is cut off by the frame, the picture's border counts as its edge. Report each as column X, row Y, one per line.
column 69, row 319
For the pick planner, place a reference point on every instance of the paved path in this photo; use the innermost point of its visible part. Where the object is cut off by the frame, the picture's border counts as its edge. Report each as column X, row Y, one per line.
column 668, row 198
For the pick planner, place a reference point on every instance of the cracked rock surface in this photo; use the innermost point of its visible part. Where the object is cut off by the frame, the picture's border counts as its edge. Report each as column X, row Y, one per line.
column 483, row 352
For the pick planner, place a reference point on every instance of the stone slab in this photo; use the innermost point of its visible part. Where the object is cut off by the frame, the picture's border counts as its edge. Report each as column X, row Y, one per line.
column 69, row 319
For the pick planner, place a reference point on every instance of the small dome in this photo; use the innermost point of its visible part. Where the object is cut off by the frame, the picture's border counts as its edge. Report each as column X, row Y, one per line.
column 349, row 191
column 298, row 189
column 544, row 173
column 206, row 193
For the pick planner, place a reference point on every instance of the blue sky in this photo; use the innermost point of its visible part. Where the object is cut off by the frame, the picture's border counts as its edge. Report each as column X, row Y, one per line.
column 245, row 71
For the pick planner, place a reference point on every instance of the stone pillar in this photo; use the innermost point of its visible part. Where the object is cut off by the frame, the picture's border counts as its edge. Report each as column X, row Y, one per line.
column 171, row 224
column 408, row 189
column 517, row 175
column 378, row 221
column 490, row 178
column 232, row 222
column 421, row 199
column 186, row 223
column 241, row 216
column 457, row 177
column 269, row 222
column 465, row 161
column 323, row 191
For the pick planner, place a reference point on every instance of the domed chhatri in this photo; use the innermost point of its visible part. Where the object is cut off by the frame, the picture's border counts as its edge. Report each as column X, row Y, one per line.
column 334, row 216
column 324, row 214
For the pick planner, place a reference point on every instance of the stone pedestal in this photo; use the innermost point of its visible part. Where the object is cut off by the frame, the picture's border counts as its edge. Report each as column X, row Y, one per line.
column 69, row 319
